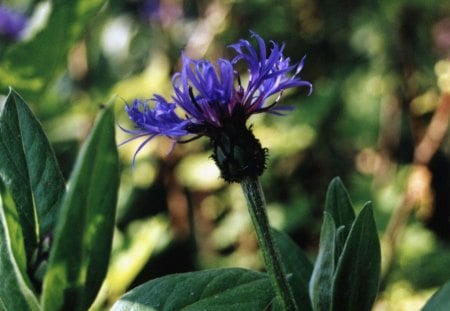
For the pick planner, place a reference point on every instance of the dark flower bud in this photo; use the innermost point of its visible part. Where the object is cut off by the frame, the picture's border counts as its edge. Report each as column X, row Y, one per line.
column 238, row 153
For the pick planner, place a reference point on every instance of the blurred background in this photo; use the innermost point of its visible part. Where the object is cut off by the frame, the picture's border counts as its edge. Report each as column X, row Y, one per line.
column 378, row 118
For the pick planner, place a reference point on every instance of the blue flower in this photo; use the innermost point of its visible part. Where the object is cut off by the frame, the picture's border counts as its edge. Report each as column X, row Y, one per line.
column 268, row 75
column 161, row 120
column 12, row 23
column 217, row 105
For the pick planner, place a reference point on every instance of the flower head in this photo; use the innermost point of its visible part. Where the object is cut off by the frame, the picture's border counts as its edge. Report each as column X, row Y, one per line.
column 12, row 23
column 217, row 105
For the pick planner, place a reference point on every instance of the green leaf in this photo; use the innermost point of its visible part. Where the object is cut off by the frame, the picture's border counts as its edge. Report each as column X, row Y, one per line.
column 320, row 285
column 31, row 65
column 338, row 204
column 440, row 301
column 30, row 170
column 357, row 273
column 220, row 289
column 339, row 241
column 297, row 266
column 15, row 288
column 80, row 253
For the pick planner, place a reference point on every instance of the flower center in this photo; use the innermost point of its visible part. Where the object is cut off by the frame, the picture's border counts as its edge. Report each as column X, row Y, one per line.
column 237, row 152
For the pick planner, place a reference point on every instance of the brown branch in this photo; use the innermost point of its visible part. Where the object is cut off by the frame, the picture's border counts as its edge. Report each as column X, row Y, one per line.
column 418, row 186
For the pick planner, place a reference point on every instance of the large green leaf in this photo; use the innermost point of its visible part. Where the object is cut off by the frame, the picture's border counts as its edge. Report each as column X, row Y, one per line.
column 297, row 266
column 355, row 284
column 440, row 301
column 320, row 285
column 31, row 65
column 29, row 168
column 80, row 252
column 221, row 289
column 15, row 287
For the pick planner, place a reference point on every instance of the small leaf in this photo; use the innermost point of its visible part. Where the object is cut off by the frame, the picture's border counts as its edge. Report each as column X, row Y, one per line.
column 219, row 289
column 339, row 241
column 15, row 289
column 297, row 266
column 339, row 205
column 320, row 285
column 357, row 273
column 29, row 168
column 80, row 253
column 440, row 301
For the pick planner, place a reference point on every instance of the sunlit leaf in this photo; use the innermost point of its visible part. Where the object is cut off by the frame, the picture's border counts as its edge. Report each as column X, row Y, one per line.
column 80, row 252
column 355, row 284
column 29, row 168
column 15, row 288
column 221, row 289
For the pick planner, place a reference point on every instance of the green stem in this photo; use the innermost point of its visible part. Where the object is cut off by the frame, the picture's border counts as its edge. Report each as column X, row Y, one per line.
column 271, row 254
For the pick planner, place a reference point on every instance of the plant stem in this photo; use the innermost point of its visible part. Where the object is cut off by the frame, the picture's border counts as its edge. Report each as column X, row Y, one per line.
column 271, row 254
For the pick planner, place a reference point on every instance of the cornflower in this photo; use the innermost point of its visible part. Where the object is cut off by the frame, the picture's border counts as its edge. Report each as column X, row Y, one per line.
column 217, row 105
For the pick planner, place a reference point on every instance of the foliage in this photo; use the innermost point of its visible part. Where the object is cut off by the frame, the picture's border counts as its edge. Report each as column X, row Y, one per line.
column 380, row 76
column 82, row 221
column 81, row 244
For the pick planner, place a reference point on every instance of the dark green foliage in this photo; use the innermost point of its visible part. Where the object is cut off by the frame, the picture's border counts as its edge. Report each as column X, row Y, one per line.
column 16, row 292
column 222, row 289
column 29, row 169
column 297, row 267
column 440, row 301
column 357, row 274
column 80, row 252
column 77, row 229
column 347, row 270
column 376, row 67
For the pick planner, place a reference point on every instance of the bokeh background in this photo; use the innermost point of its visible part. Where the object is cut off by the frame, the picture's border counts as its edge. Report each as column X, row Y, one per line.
column 378, row 118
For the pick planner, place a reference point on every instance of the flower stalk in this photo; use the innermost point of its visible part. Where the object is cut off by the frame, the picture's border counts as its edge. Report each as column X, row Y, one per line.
column 257, row 207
